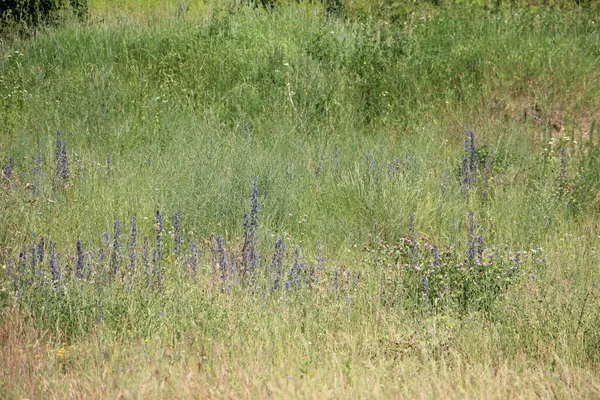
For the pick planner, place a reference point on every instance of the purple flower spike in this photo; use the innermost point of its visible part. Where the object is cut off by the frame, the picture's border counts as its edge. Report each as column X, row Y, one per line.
column 436, row 256
column 472, row 249
column 276, row 263
column 116, row 249
column 54, row 264
column 133, row 244
column 178, row 244
column 8, row 169
column 321, row 259
column 40, row 250
column 80, row 259
column 146, row 257
column 62, row 159
column 220, row 250
column 250, row 250
column 159, row 233
column 469, row 165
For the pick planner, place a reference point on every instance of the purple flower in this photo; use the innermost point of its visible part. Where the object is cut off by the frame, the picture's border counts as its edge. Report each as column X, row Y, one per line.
column 33, row 259
column 220, row 251
column 336, row 280
column 8, row 169
column 469, row 164
column 394, row 167
column 62, row 159
column 133, row 244
column 54, row 264
column 276, row 262
column 297, row 270
column 146, row 257
column 159, row 234
column 321, row 259
column 40, row 250
column 249, row 249
column 23, row 259
column 80, row 259
column 480, row 245
column 178, row 243
column 436, row 256
column 471, row 250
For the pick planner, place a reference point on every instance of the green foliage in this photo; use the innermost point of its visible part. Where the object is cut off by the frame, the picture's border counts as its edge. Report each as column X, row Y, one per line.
column 455, row 278
column 32, row 13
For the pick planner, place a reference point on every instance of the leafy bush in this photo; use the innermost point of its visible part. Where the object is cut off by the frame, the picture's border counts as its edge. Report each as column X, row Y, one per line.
column 35, row 12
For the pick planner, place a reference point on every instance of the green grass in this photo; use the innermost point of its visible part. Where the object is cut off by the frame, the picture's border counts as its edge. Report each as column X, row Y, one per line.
column 191, row 109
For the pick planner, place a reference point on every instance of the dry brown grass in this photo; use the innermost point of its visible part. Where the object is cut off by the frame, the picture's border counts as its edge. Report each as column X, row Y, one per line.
column 36, row 365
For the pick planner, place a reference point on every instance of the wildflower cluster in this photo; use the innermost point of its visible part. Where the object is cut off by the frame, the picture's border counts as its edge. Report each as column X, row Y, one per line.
column 240, row 267
column 444, row 277
column 45, row 277
column 476, row 167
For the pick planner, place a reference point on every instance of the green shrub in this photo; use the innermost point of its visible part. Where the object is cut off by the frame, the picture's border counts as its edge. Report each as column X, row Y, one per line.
column 32, row 13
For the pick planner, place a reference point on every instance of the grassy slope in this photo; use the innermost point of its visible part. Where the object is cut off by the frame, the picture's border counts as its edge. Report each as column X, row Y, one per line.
column 191, row 111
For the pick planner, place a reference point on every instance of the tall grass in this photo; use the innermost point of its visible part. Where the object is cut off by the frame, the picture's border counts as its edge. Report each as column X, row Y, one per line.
column 419, row 261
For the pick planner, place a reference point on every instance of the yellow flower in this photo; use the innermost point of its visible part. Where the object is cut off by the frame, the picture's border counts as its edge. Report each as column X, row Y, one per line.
column 61, row 353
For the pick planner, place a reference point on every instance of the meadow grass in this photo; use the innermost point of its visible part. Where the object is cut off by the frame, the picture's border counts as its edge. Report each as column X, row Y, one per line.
column 433, row 180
